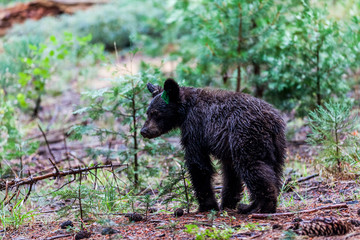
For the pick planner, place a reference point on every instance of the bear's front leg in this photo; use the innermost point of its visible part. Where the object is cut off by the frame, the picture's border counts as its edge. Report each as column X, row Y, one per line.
column 232, row 187
column 201, row 171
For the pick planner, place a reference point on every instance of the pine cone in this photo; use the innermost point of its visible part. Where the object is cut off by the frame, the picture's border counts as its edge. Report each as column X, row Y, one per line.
column 321, row 226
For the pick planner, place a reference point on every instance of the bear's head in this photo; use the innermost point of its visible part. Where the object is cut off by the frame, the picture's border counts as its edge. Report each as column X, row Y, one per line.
column 162, row 114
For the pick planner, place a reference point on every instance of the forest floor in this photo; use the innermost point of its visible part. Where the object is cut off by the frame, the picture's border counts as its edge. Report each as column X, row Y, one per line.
column 309, row 195
column 322, row 196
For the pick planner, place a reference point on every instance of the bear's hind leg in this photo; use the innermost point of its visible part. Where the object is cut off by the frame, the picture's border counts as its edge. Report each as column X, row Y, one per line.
column 262, row 182
column 232, row 187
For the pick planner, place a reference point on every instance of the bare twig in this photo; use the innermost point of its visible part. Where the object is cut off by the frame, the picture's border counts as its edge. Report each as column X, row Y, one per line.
column 66, row 151
column 58, row 236
column 186, row 191
column 352, row 235
column 81, row 210
column 48, row 146
column 303, row 179
column 11, row 198
column 6, row 190
column 28, row 193
column 285, row 214
column 32, row 180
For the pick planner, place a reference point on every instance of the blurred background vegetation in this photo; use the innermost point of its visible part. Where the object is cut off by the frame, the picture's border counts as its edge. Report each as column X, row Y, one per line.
column 301, row 56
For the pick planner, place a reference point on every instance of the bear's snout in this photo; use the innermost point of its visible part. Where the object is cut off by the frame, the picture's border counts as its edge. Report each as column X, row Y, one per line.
column 145, row 132
column 148, row 132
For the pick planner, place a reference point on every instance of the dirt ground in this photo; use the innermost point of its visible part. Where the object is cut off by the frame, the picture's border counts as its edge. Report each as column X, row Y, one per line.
column 164, row 225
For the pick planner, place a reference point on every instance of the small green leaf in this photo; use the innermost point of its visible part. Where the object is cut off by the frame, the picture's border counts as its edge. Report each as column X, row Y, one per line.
column 53, row 39
column 24, row 78
column 37, row 71
column 32, row 47
column 21, row 100
column 60, row 56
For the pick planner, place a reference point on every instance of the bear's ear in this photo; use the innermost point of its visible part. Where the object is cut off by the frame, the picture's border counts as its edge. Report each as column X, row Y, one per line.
column 155, row 90
column 172, row 90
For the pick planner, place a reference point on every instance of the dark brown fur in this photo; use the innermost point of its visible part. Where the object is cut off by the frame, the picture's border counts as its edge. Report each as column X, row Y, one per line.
column 245, row 133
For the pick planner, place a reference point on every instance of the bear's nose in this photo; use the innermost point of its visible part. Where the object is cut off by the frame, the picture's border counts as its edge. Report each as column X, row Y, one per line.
column 144, row 132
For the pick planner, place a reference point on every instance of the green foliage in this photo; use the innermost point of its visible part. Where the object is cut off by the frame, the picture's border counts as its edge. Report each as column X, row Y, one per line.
column 118, row 113
column 44, row 60
column 11, row 144
column 89, row 200
column 209, row 233
column 93, row 200
column 288, row 235
column 177, row 187
column 291, row 53
column 10, row 60
column 15, row 216
column 220, row 38
column 333, row 132
column 311, row 60
column 251, row 226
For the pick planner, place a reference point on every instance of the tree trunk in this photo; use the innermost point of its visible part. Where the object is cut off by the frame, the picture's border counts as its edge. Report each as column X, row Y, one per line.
column 37, row 107
column 38, row 9
column 239, row 48
column 259, row 88
column 136, row 164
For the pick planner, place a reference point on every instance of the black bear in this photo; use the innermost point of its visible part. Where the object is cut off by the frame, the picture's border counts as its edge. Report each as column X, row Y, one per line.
column 245, row 133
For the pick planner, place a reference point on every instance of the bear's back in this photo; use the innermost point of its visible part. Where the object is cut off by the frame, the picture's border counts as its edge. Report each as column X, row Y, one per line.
column 232, row 123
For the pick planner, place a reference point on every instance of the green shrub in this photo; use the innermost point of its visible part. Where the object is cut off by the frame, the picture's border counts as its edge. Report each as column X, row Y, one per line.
column 209, row 233
column 15, row 216
column 311, row 62
column 10, row 59
column 118, row 113
column 291, row 53
column 216, row 41
column 11, row 144
column 334, row 135
column 44, row 60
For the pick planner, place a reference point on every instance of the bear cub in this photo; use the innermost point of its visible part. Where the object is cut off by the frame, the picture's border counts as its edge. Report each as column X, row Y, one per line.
column 246, row 134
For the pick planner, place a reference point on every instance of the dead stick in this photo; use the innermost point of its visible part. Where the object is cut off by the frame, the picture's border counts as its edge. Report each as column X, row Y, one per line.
column 11, row 198
column 48, row 146
column 269, row 216
column 303, row 179
column 6, row 191
column 28, row 193
column 58, row 236
column 81, row 210
column 31, row 180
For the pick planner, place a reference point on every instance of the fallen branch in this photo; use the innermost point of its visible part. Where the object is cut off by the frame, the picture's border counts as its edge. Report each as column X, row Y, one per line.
column 285, row 214
column 303, row 179
column 32, row 180
column 58, row 236
column 38, row 9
